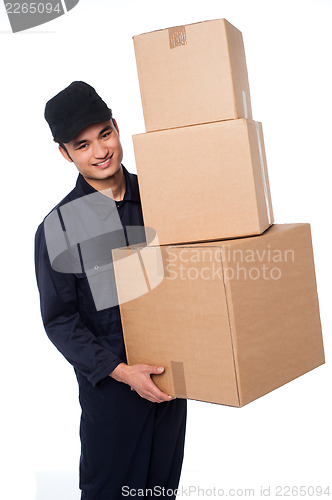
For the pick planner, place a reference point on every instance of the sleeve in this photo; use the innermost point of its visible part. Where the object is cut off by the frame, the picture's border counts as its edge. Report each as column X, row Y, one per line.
column 62, row 321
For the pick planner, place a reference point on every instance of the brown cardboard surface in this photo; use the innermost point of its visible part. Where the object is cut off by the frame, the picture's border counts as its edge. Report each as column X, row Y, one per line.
column 232, row 320
column 204, row 182
column 192, row 74
column 277, row 323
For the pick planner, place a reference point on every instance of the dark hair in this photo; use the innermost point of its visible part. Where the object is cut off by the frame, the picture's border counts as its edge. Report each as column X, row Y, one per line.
column 61, row 144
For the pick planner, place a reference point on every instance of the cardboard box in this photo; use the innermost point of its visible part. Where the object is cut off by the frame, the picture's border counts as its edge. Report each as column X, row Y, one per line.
column 231, row 320
column 192, row 74
column 204, row 182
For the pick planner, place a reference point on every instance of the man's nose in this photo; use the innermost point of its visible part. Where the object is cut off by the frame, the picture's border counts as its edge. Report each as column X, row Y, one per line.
column 99, row 150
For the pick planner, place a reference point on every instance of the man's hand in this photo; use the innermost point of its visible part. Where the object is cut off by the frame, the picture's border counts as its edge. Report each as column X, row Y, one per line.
column 139, row 378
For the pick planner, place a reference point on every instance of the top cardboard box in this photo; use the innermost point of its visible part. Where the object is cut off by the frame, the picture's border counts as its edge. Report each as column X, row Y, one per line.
column 192, row 74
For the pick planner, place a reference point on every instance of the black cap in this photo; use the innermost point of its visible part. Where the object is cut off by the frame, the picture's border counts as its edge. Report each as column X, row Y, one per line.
column 73, row 109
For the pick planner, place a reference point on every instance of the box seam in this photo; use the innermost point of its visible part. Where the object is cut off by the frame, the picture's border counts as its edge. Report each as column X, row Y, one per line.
column 231, row 68
column 259, row 218
column 230, row 330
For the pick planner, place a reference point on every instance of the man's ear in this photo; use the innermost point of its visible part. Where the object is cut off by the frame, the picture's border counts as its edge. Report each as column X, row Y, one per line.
column 116, row 125
column 65, row 154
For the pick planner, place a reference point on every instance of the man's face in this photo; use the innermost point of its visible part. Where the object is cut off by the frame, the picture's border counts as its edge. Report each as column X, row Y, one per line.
column 96, row 151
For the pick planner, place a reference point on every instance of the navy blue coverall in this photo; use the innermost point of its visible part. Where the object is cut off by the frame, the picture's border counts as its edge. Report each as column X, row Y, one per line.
column 127, row 442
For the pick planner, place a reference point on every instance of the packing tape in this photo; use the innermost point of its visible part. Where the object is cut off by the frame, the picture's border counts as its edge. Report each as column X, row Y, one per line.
column 267, row 201
column 177, row 36
column 245, row 104
column 179, row 380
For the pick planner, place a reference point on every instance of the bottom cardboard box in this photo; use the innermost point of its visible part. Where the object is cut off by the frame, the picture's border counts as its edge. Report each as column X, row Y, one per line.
column 230, row 321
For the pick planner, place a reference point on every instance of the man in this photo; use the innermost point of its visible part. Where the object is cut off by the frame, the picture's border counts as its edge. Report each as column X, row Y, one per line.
column 132, row 434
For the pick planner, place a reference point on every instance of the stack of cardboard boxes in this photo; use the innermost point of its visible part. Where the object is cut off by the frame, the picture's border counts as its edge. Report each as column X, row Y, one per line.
column 236, row 314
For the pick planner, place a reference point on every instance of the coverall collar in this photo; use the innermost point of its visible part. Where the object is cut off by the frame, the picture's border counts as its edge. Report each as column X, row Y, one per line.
column 131, row 194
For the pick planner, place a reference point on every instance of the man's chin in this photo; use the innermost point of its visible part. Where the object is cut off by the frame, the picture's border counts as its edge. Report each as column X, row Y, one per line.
column 103, row 174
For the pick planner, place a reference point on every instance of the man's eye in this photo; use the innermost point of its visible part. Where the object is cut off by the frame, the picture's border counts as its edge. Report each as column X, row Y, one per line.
column 83, row 146
column 106, row 135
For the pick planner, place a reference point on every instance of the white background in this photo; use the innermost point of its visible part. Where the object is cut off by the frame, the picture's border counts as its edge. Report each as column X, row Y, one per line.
column 283, row 438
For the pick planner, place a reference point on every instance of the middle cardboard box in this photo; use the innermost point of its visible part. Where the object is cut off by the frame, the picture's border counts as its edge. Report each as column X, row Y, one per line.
column 204, row 182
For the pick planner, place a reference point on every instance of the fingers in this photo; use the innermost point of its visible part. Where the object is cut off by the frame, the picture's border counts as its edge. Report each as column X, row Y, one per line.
column 158, row 395
column 150, row 391
column 154, row 399
column 146, row 388
column 151, row 398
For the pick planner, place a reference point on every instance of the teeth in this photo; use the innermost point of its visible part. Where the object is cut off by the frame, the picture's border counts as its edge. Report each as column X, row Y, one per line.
column 103, row 163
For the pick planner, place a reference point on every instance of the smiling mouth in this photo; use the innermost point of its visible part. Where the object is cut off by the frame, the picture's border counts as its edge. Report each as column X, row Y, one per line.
column 103, row 163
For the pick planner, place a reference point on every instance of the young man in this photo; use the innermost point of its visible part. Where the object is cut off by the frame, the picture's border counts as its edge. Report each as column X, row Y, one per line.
column 132, row 434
